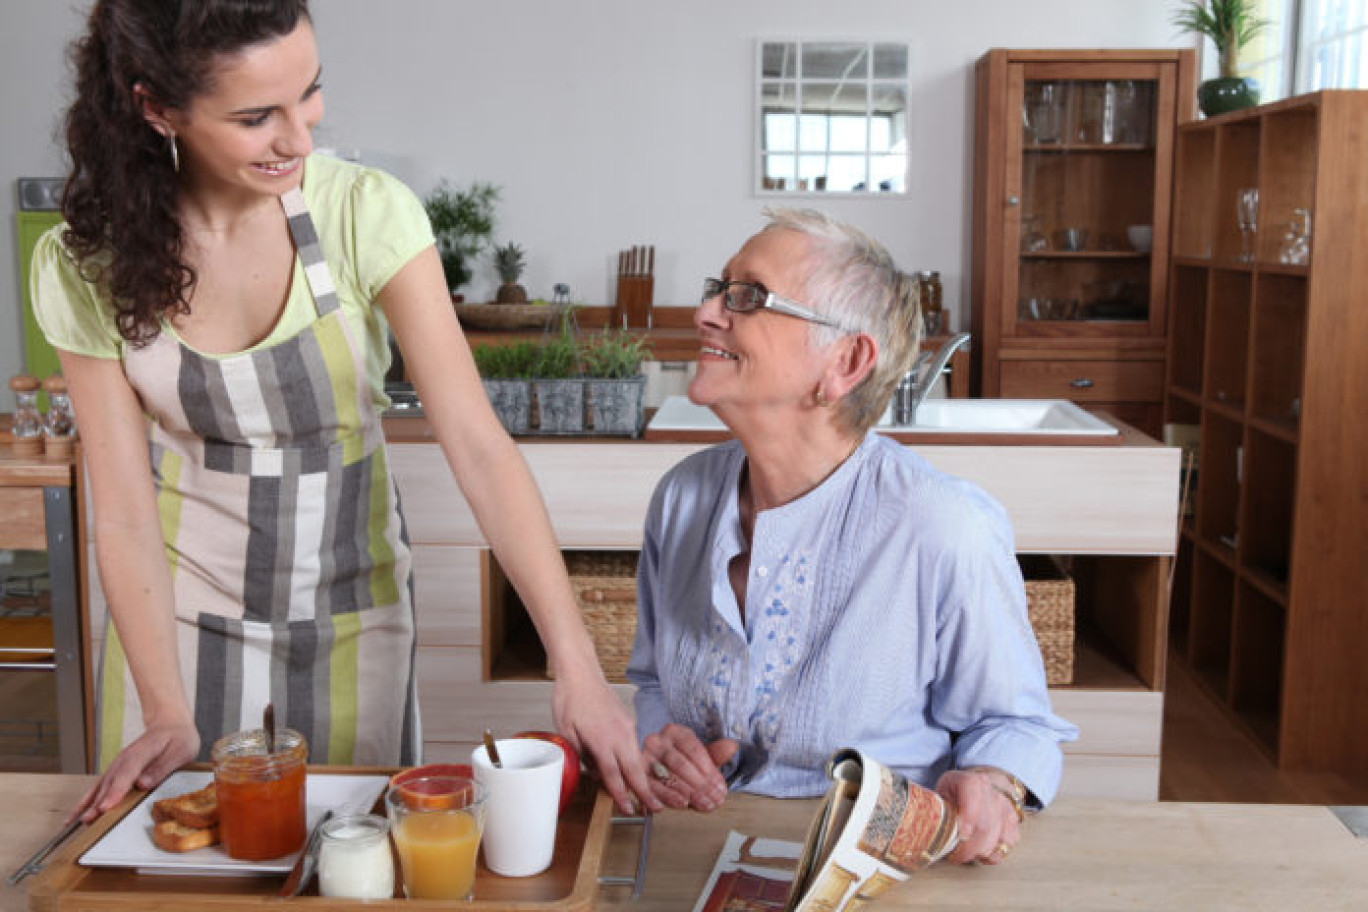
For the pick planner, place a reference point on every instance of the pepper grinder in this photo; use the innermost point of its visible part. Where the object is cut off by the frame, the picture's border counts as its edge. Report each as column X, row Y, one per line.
column 60, row 427
column 28, row 422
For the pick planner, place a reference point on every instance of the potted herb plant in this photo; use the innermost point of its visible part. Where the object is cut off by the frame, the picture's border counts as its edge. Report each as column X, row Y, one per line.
column 506, row 371
column 1230, row 25
column 462, row 222
column 509, row 262
column 614, row 384
column 558, row 384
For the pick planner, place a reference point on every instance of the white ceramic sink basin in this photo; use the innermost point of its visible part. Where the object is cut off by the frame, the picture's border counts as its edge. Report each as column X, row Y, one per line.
column 1044, row 418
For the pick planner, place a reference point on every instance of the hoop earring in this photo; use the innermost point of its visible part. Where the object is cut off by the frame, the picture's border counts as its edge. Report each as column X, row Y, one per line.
column 175, row 153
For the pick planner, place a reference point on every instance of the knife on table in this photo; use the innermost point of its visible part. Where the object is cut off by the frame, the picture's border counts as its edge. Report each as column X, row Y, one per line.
column 307, row 861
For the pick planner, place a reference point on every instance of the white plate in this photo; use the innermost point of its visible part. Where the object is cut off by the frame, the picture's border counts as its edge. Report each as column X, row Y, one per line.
column 129, row 844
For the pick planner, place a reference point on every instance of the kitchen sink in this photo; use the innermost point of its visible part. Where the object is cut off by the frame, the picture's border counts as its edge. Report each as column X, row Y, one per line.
column 1045, row 417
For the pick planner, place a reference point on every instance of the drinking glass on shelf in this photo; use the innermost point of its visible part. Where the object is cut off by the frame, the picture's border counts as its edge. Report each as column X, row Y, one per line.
column 1296, row 245
column 1247, row 219
column 1047, row 110
column 1033, row 239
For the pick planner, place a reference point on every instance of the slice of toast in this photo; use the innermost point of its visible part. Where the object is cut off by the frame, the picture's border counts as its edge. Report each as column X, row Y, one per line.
column 196, row 810
column 173, row 836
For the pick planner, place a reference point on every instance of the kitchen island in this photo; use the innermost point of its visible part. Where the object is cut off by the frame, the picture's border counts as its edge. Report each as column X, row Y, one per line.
column 1083, row 854
column 1112, row 509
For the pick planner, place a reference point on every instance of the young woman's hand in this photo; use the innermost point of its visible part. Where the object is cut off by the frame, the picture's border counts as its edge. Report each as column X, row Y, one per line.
column 590, row 714
column 156, row 754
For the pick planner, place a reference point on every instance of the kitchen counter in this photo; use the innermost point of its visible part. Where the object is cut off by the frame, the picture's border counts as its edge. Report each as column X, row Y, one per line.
column 1093, row 855
column 1113, row 509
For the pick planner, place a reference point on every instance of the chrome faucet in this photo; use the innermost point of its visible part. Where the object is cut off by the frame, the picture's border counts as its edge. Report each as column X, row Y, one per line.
column 911, row 393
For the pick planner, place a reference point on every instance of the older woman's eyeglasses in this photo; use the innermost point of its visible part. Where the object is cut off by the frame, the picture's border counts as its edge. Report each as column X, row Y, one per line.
column 748, row 297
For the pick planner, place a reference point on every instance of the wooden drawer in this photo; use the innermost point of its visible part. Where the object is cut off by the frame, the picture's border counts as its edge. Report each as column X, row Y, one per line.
column 1083, row 381
column 22, row 523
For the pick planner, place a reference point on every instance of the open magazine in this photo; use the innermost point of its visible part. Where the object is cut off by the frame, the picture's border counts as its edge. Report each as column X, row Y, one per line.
column 873, row 829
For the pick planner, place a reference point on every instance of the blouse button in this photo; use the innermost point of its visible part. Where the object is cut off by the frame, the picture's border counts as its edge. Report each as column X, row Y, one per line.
column 762, row 572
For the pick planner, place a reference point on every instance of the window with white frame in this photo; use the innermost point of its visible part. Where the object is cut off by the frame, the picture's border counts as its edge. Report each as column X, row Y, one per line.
column 1310, row 45
column 831, row 117
column 1332, row 45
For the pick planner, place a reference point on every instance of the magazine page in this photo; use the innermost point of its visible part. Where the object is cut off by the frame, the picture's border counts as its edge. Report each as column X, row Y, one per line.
column 752, row 874
column 894, row 828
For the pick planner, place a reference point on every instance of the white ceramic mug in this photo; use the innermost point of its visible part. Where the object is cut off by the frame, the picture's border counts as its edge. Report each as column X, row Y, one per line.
column 523, row 803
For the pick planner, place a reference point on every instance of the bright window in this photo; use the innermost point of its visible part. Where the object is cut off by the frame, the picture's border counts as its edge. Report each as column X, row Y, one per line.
column 832, row 117
column 1311, row 45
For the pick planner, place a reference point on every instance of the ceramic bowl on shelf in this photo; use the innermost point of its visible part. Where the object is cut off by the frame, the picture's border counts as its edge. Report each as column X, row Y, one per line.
column 1141, row 237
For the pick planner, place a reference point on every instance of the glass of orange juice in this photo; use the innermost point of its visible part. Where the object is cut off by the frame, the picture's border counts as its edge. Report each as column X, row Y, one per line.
column 436, row 822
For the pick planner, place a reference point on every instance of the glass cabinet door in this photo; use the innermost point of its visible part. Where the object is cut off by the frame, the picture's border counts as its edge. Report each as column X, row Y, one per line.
column 1082, row 181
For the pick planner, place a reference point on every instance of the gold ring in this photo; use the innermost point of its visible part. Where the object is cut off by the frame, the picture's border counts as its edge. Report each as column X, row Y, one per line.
column 661, row 771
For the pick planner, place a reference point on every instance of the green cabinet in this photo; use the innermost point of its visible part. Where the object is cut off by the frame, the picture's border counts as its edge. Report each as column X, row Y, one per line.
column 39, row 358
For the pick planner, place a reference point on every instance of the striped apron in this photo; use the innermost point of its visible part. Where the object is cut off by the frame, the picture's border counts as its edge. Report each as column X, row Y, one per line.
column 288, row 554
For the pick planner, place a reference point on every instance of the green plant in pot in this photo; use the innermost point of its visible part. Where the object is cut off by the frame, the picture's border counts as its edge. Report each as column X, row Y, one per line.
column 462, row 222
column 1230, row 25
column 506, row 372
column 558, row 383
column 509, row 261
column 613, row 381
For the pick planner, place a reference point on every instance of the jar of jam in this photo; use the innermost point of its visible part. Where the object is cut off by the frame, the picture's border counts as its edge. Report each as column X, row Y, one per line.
column 260, row 793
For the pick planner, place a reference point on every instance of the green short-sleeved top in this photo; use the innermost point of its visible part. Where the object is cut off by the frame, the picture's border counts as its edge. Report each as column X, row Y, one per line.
column 369, row 225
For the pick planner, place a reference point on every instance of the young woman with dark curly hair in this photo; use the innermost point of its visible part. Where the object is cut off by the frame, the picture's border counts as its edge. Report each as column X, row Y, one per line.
column 219, row 300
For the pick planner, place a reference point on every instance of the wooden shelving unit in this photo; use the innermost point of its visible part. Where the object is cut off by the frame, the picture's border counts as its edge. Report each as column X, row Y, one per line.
column 1268, row 360
column 1075, row 139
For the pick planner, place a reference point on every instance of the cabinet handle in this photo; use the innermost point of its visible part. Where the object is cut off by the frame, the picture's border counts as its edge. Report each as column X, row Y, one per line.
column 1081, row 383
column 1013, row 200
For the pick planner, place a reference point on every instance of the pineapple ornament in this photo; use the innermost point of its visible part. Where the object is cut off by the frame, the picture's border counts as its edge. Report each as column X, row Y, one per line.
column 509, row 261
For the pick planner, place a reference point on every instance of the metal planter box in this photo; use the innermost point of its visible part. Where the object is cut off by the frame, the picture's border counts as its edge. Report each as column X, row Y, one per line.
column 512, row 402
column 616, row 407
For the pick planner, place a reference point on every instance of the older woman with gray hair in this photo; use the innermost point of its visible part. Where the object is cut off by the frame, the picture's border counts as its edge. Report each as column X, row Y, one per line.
column 812, row 585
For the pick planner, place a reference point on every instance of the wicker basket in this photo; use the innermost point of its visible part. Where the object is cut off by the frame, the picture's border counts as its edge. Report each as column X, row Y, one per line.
column 604, row 583
column 1050, row 602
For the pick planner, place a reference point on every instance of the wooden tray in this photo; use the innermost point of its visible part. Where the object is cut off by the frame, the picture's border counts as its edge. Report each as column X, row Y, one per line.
column 571, row 883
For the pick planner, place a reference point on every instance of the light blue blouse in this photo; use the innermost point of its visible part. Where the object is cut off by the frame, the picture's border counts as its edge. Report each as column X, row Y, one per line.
column 885, row 611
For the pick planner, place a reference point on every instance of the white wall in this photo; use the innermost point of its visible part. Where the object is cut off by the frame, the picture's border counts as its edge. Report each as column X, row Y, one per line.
column 606, row 122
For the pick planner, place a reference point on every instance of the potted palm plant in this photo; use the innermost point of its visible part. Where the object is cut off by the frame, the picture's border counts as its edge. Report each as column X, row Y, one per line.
column 462, row 223
column 614, row 384
column 1230, row 25
column 506, row 372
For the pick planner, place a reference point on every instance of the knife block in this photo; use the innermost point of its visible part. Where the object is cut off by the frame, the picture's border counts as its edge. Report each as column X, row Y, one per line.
column 634, row 301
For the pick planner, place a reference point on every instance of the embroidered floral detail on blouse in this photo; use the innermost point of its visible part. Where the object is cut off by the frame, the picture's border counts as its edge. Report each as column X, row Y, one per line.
column 779, row 630
column 741, row 692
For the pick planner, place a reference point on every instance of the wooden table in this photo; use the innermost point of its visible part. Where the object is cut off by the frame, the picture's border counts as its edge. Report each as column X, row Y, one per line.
column 1087, row 855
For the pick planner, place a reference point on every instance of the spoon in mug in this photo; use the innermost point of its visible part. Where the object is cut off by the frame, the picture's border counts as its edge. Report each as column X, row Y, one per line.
column 492, row 750
column 268, row 726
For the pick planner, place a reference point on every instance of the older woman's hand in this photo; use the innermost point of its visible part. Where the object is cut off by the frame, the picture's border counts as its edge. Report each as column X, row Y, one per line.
column 988, row 822
column 686, row 772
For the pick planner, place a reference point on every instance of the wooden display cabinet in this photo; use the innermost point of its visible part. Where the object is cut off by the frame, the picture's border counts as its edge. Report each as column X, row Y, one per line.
column 1075, row 140
column 1266, row 358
